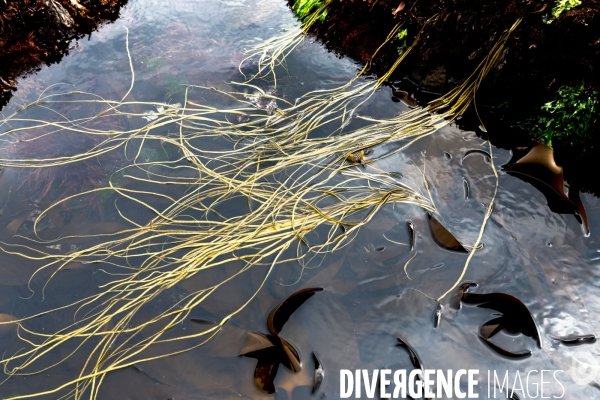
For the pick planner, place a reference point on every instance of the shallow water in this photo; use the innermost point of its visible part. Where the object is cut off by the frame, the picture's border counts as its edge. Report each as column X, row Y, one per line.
column 538, row 256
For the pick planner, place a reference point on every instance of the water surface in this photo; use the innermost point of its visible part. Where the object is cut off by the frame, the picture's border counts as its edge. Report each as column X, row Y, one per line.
column 538, row 256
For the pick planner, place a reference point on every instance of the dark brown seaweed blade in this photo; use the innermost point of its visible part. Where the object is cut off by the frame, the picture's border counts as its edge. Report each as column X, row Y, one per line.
column 202, row 321
column 516, row 317
column 477, row 151
column 411, row 234
column 538, row 167
column 257, row 342
column 490, row 328
column 581, row 214
column 269, row 354
column 504, row 352
column 456, row 299
column 405, row 97
column 443, row 237
column 576, row 340
column 265, row 373
column 292, row 358
column 414, row 358
column 319, row 373
column 281, row 314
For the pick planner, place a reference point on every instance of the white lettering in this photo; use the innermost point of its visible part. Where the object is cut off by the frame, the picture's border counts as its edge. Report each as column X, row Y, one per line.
column 444, row 383
column 542, row 383
column 370, row 386
column 412, row 384
column 457, row 391
column 537, row 391
column 383, row 382
column 399, row 384
column 428, row 382
column 504, row 382
column 473, row 383
column 563, row 388
column 514, row 387
column 346, row 383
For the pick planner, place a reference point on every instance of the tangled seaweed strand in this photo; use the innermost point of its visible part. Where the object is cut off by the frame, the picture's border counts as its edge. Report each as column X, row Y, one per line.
column 294, row 182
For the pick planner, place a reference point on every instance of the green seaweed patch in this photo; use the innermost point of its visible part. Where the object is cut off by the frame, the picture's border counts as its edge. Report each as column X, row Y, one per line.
column 304, row 8
column 402, row 40
column 561, row 6
column 569, row 119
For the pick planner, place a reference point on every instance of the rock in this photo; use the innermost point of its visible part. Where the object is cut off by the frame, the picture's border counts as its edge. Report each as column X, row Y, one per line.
column 436, row 79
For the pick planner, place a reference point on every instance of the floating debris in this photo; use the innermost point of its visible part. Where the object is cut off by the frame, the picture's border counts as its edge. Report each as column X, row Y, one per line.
column 443, row 237
column 382, row 248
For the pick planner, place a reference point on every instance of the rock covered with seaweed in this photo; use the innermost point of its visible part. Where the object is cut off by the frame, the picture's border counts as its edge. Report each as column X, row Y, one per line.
column 38, row 32
column 543, row 86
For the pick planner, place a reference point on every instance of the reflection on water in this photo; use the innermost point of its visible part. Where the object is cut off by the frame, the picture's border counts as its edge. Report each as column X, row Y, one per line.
column 372, row 293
